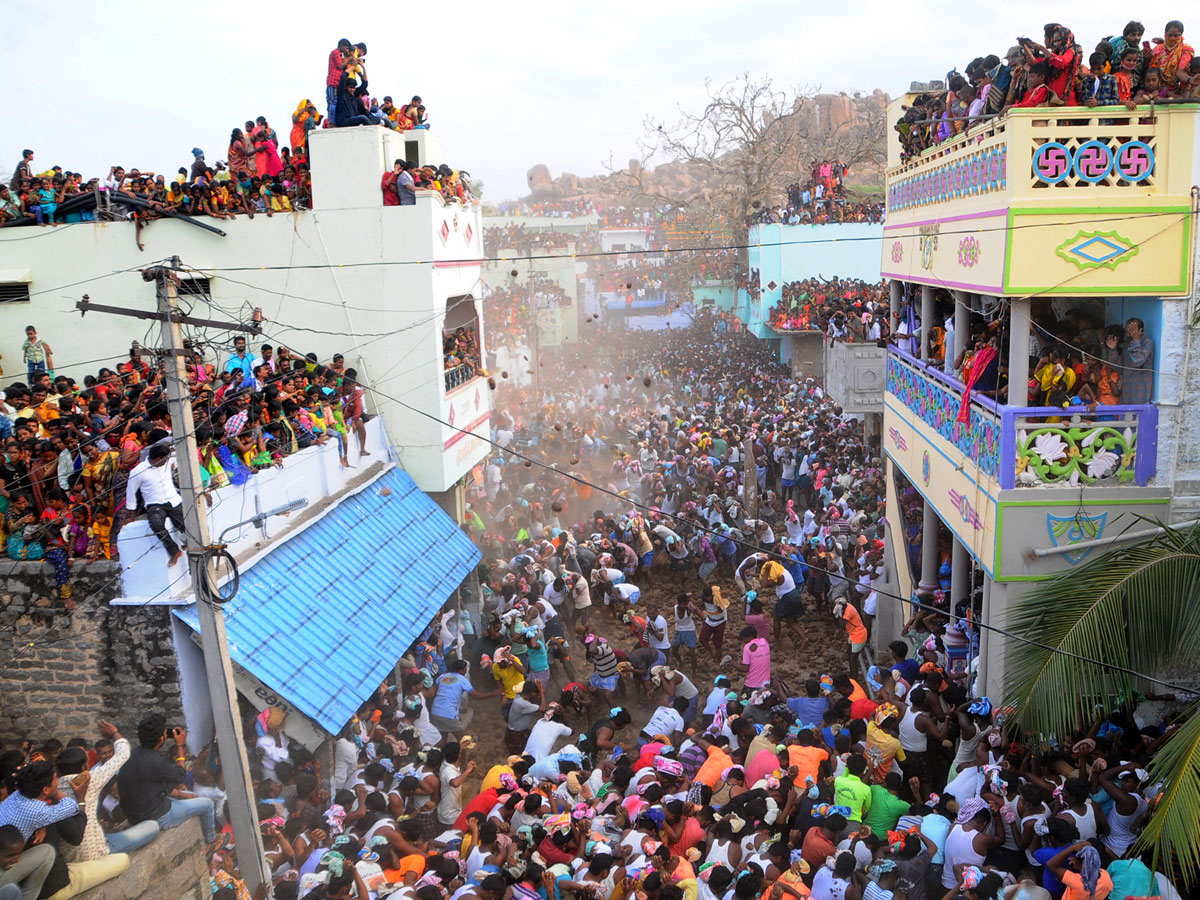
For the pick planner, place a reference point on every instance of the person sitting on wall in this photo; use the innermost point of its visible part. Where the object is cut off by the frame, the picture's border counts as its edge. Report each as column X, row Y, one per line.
column 151, row 786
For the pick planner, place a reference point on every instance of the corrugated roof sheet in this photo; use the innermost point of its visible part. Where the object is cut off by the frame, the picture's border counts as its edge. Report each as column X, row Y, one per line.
column 323, row 618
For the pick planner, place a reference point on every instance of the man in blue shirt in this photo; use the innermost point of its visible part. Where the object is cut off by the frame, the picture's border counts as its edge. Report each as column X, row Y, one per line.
column 243, row 363
column 450, row 712
column 809, row 709
column 909, row 668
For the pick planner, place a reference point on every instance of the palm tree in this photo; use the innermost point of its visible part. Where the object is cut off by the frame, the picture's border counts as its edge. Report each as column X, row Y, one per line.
column 1133, row 608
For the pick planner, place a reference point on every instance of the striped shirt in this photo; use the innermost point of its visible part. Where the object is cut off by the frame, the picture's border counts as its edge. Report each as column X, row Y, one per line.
column 605, row 663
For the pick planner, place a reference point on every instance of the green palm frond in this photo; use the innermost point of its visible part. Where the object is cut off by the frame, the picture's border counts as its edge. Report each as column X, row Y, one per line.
column 1129, row 607
column 1171, row 833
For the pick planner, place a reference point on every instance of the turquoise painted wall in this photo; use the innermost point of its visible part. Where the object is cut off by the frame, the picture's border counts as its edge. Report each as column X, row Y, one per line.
column 722, row 294
column 784, row 253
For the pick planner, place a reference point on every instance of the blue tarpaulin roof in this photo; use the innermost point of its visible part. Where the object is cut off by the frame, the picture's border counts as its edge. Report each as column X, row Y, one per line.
column 324, row 616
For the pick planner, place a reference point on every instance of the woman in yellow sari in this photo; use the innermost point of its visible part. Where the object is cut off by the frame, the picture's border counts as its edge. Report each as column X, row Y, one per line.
column 99, row 472
column 304, row 119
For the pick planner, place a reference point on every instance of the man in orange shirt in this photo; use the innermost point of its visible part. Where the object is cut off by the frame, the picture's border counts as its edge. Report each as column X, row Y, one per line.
column 807, row 757
column 718, row 759
column 856, row 631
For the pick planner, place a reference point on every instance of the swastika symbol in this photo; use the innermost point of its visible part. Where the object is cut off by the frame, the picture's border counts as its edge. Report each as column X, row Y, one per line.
column 1135, row 160
column 1053, row 162
column 1093, row 161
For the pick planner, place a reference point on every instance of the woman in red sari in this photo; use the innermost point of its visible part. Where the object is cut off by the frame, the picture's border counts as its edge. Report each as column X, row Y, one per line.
column 1171, row 56
column 1062, row 56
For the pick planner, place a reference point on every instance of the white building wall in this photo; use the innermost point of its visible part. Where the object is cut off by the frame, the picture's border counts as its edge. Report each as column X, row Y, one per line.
column 351, row 276
column 623, row 238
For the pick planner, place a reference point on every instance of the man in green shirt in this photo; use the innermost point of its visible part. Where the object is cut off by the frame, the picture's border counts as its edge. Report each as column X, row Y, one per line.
column 886, row 805
column 850, row 791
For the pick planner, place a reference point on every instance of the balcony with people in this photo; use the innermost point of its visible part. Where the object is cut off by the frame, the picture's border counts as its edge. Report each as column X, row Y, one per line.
column 1085, row 413
column 1054, row 169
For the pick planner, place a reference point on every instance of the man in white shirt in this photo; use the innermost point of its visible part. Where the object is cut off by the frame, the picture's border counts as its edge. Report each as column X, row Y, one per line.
column 656, row 629
column 162, row 501
column 666, row 720
column 546, row 732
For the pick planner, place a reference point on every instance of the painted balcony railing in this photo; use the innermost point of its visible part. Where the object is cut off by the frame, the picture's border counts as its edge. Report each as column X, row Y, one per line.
column 1021, row 447
column 1112, row 446
column 1061, row 200
column 936, row 399
column 1066, row 151
column 459, row 375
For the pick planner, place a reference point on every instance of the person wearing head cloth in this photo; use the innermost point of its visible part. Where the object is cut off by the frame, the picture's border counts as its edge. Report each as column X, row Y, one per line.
column 492, row 778
column 1081, row 871
column 970, row 839
column 272, row 745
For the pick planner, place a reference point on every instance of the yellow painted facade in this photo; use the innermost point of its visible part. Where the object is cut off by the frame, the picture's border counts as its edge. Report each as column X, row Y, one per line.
column 1061, row 201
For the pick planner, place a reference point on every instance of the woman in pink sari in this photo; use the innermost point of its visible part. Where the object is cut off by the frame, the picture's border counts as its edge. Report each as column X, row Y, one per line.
column 983, row 376
column 266, row 152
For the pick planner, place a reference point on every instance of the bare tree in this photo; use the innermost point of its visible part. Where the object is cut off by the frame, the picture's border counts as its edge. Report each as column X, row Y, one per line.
column 741, row 151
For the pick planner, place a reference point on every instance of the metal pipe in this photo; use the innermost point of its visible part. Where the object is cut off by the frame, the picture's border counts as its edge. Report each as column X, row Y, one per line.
column 985, row 639
column 1104, row 542
column 259, row 518
column 1018, row 352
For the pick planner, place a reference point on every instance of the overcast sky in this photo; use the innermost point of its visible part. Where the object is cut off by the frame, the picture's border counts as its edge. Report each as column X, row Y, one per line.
column 507, row 85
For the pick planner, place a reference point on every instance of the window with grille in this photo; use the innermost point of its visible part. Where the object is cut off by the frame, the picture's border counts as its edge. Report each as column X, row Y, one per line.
column 194, row 287
column 14, row 291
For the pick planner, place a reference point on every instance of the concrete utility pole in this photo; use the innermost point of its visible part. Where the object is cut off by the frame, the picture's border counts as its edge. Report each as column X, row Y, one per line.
column 217, row 665
column 234, row 764
column 750, row 477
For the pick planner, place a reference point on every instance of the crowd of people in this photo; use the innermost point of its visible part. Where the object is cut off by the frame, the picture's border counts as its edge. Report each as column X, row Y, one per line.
column 510, row 314
column 820, row 200
column 846, row 309
column 348, row 101
column 461, row 358
column 1122, row 70
column 524, row 241
column 262, row 172
column 651, row 630
column 81, row 459
column 71, row 814
column 559, row 209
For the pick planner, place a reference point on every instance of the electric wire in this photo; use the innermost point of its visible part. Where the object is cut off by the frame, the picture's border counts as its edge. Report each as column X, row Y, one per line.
column 754, row 548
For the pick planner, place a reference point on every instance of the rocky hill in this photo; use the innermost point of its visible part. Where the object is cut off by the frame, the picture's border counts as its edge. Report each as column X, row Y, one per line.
column 849, row 127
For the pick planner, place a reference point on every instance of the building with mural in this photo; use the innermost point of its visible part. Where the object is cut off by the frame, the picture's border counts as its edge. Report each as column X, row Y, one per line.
column 1044, row 238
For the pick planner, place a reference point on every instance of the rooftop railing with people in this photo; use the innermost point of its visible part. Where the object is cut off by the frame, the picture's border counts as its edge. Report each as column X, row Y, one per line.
column 820, row 200
column 1055, row 74
column 845, row 308
column 1082, row 192
column 1049, row 125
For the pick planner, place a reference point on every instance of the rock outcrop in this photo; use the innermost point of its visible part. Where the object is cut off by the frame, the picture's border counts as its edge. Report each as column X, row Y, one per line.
column 830, row 124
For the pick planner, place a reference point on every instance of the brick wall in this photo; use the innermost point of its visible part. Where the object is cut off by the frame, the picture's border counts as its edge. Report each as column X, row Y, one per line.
column 115, row 662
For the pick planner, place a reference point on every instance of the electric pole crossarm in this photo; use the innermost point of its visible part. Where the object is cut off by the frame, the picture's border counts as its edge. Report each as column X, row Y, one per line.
column 85, row 306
